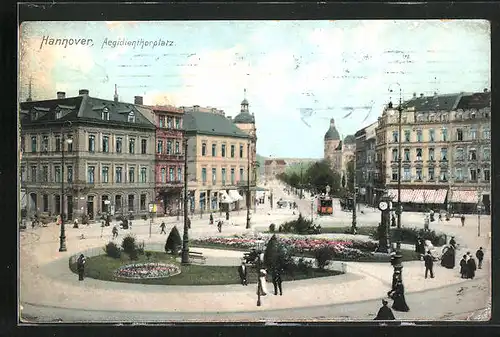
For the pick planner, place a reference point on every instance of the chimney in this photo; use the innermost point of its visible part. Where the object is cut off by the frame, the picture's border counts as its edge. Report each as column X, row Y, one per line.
column 138, row 100
column 83, row 92
column 414, row 95
column 485, row 90
column 421, row 95
column 61, row 95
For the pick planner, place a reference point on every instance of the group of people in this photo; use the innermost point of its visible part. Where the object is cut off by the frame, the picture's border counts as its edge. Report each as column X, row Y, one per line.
column 262, row 281
column 468, row 264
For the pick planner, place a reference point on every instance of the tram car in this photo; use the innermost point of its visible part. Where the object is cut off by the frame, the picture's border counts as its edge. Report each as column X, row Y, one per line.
column 325, row 205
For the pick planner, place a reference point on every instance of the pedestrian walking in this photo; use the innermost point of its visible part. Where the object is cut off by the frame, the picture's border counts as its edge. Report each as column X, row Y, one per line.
column 162, row 226
column 219, row 226
column 480, row 257
column 242, row 271
column 115, row 232
column 384, row 313
column 429, row 264
column 211, row 219
column 471, row 267
column 80, row 266
column 398, row 295
column 462, row 218
column 463, row 267
column 262, row 288
column 453, row 243
column 277, row 281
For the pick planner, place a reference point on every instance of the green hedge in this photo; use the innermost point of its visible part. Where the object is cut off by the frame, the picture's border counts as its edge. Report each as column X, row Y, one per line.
column 409, row 235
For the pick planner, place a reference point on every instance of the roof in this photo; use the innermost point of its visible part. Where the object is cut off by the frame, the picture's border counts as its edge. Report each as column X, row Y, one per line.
column 244, row 118
column 84, row 108
column 479, row 100
column 350, row 139
column 332, row 133
column 211, row 124
column 446, row 102
column 360, row 133
column 278, row 162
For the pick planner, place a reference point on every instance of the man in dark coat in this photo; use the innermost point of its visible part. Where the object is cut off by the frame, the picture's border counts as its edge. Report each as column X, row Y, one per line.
column 211, row 219
column 277, row 281
column 80, row 266
column 385, row 313
column 219, row 226
column 162, row 226
column 480, row 257
column 463, row 267
column 471, row 267
column 453, row 243
column 429, row 264
column 242, row 271
column 462, row 218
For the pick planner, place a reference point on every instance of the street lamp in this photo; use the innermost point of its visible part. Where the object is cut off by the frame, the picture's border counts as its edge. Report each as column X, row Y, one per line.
column 259, row 244
column 353, row 227
column 479, row 209
column 185, row 236
column 248, row 186
column 62, row 237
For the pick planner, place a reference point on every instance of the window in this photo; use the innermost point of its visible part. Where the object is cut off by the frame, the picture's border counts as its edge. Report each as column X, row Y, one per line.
column 459, row 174
column 169, row 122
column 486, row 133
column 91, row 174
column 118, row 174
column 432, row 135
column 33, row 174
column 223, row 151
column 131, row 117
column 143, row 202
column 160, row 147
column 131, row 174
column 45, row 203
column 407, row 135
column 105, row 144
column 131, row 202
column 242, row 175
column 394, row 155
column 70, row 147
column 241, row 151
column 163, row 175
column 406, row 174
column 419, row 154
column 204, row 149
column 232, row 176
column 444, row 134
column 131, row 145
column 33, row 144
column 177, row 148
column 395, row 137
column 419, row 136
column 486, row 154
column 486, row 174
column 443, row 174
column 232, row 151
column 144, row 175
column 418, row 174
column 171, row 174
column 70, row 174
column 144, row 146
column 204, row 175
column 394, row 175
column 223, row 176
column 459, row 153
column 105, row 174
column 460, row 135
column 91, row 143
column 177, row 123
column 119, row 145
column 45, row 174
column 57, row 174
column 444, row 154
column 214, row 176
column 472, row 154
column 45, row 143
column 162, row 121
column 473, row 174
column 58, row 143
column 214, row 150
column 473, row 133
column 430, row 174
column 179, row 174
column 169, row 147
column 407, row 154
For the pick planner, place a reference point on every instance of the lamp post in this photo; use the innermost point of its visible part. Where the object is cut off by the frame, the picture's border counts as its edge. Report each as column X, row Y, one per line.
column 185, row 236
column 353, row 227
column 62, row 237
column 248, row 186
column 479, row 209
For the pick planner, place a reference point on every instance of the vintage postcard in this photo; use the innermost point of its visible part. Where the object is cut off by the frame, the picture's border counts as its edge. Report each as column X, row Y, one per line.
column 252, row 171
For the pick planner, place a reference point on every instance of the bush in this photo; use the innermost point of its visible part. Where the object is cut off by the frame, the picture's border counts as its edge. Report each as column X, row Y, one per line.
column 300, row 226
column 140, row 249
column 277, row 255
column 409, row 235
column 173, row 242
column 272, row 228
column 364, row 246
column 112, row 250
column 128, row 245
column 323, row 255
column 134, row 255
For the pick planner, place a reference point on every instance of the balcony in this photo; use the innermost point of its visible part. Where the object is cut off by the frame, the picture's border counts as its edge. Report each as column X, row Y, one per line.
column 169, row 157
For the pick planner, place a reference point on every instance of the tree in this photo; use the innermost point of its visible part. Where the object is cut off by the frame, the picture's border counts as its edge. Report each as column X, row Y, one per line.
column 319, row 175
column 271, row 252
column 174, row 241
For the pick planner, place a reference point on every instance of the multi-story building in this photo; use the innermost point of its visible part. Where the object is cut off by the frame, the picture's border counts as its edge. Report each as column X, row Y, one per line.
column 348, row 152
column 333, row 147
column 445, row 151
column 218, row 160
column 273, row 167
column 108, row 166
column 365, row 163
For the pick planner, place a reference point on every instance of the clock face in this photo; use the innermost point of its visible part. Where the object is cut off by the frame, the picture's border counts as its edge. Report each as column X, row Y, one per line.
column 383, row 205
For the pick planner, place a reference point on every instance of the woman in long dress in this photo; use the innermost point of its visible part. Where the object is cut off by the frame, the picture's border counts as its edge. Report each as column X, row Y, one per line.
column 262, row 282
column 399, row 298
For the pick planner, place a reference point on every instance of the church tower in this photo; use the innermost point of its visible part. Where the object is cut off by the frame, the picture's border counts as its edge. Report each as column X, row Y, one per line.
column 333, row 147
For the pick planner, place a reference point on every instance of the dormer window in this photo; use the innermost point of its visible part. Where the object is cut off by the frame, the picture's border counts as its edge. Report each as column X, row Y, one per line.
column 34, row 115
column 58, row 113
column 105, row 114
column 131, row 117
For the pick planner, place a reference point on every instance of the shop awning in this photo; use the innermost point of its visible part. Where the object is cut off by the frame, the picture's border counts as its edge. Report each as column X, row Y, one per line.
column 434, row 196
column 235, row 195
column 419, row 196
column 407, row 195
column 225, row 198
column 464, row 197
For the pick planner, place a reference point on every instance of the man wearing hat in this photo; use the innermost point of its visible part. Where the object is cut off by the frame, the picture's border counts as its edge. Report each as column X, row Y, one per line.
column 80, row 266
column 242, row 271
column 385, row 313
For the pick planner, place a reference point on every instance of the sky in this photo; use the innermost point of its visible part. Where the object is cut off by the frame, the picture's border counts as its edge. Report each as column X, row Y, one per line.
column 297, row 74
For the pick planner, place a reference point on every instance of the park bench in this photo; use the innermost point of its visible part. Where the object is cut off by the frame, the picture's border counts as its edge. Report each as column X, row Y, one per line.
column 197, row 255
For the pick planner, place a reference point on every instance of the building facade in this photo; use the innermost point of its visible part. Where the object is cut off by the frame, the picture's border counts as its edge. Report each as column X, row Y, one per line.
column 218, row 161
column 273, row 167
column 365, row 164
column 333, row 147
column 445, row 152
column 108, row 167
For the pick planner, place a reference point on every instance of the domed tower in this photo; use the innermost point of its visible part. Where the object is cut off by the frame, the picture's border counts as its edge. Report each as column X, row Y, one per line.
column 246, row 123
column 333, row 147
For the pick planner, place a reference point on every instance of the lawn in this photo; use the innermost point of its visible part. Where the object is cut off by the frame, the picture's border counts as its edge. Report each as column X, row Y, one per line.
column 102, row 268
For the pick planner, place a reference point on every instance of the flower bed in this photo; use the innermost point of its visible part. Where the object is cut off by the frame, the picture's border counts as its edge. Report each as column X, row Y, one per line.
column 147, row 270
